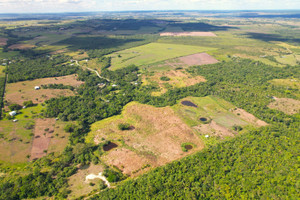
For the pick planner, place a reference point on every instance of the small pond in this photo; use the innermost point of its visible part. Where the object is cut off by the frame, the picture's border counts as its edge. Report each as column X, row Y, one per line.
column 109, row 146
column 188, row 103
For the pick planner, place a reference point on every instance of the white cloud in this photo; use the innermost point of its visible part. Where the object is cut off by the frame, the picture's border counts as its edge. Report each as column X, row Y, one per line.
column 105, row 5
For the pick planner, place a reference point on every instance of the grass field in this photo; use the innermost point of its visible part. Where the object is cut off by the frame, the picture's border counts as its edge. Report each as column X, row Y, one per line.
column 152, row 53
column 15, row 140
column 2, row 74
column 155, row 137
column 178, row 78
column 293, row 83
column 24, row 90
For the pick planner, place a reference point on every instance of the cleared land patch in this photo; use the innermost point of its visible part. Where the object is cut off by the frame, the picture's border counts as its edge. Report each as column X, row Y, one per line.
column 21, row 46
column 152, row 53
column 15, row 140
column 286, row 105
column 3, row 41
column 24, row 91
column 291, row 82
column 215, row 116
column 155, row 140
column 184, row 61
column 188, row 34
column 178, row 78
column 43, row 131
column 79, row 186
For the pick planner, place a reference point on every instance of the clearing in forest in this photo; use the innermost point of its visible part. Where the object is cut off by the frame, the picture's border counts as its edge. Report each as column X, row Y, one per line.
column 286, row 105
column 154, row 138
column 152, row 53
column 210, row 34
column 43, row 131
column 78, row 184
column 175, row 78
column 21, row 46
column 15, row 140
column 3, row 41
column 24, row 90
column 215, row 117
column 184, row 62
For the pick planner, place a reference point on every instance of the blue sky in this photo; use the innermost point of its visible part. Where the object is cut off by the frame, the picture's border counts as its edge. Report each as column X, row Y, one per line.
column 25, row 6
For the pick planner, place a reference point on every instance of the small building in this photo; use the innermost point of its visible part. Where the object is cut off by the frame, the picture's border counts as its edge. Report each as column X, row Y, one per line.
column 12, row 113
column 15, row 120
column 37, row 87
column 24, row 107
column 114, row 85
column 207, row 136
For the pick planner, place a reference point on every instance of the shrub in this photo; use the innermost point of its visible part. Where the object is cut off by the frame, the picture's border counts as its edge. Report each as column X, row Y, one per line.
column 164, row 78
column 28, row 103
column 14, row 107
column 124, row 126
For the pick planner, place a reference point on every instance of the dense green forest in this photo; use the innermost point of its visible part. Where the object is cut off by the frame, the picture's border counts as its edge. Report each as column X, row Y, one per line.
column 29, row 69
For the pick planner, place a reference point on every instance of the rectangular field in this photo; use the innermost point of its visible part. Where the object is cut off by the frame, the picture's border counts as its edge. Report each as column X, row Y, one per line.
column 152, row 53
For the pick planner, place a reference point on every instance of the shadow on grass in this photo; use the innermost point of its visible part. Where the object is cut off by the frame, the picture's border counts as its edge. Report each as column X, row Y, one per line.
column 99, row 42
column 201, row 27
column 271, row 37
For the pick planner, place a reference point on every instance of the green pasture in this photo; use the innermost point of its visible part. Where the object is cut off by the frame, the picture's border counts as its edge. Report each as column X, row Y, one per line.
column 152, row 53
column 210, row 107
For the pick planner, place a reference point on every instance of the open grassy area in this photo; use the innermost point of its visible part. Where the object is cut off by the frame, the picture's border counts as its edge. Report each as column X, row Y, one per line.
column 2, row 74
column 16, row 140
column 152, row 53
column 154, row 137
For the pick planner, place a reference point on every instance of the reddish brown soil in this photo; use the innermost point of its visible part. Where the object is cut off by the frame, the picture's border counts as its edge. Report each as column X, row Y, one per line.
column 21, row 46
column 126, row 160
column 286, row 105
column 214, row 129
column 198, row 59
column 156, row 139
column 188, row 34
column 41, row 137
column 3, row 41
column 24, row 91
column 249, row 117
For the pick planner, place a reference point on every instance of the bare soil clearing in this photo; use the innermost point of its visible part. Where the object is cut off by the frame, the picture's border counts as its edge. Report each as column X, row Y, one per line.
column 178, row 78
column 201, row 34
column 156, row 139
column 126, row 160
column 79, row 185
column 198, row 59
column 286, row 105
column 185, row 61
column 24, row 90
column 42, row 135
column 21, row 46
column 249, row 117
column 3, row 41
column 215, row 129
